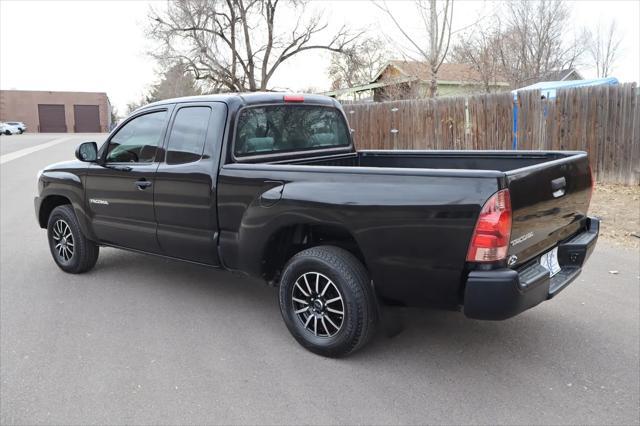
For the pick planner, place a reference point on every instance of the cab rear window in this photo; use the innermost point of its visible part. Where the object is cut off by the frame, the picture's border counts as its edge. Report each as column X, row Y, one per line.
column 287, row 128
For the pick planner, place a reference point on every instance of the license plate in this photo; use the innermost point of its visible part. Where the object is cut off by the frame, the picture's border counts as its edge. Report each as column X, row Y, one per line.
column 550, row 261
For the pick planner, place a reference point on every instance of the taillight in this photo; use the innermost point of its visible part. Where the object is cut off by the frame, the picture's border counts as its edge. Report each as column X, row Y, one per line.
column 293, row 98
column 490, row 239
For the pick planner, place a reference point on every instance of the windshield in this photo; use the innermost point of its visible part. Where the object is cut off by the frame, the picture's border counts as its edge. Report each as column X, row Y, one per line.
column 285, row 128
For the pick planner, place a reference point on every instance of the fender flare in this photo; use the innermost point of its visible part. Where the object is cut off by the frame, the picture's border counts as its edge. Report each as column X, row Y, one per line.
column 69, row 186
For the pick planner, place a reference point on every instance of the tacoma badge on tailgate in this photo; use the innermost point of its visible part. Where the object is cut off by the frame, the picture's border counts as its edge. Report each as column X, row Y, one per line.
column 521, row 239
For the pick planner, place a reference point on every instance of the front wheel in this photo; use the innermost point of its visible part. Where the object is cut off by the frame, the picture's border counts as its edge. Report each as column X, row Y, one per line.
column 327, row 301
column 71, row 251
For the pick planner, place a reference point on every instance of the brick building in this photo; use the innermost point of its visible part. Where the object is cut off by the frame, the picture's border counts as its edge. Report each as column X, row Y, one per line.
column 57, row 112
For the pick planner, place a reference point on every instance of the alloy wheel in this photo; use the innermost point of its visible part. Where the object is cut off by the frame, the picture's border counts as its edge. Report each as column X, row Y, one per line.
column 318, row 304
column 63, row 240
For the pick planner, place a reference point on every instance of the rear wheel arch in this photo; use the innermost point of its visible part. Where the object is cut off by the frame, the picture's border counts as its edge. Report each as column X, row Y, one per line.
column 289, row 240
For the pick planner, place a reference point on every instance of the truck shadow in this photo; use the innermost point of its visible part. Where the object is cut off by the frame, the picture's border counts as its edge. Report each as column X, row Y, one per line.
column 453, row 343
column 429, row 339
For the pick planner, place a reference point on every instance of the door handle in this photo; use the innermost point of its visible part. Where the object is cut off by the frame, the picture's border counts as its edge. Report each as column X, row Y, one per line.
column 558, row 186
column 143, row 184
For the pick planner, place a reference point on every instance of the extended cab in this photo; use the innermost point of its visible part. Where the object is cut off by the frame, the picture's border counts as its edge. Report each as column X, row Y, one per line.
column 271, row 185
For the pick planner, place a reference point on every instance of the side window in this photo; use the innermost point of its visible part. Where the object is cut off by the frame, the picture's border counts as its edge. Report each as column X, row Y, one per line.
column 186, row 141
column 137, row 141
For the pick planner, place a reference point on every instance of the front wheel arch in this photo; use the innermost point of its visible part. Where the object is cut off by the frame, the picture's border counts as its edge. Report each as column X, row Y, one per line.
column 47, row 206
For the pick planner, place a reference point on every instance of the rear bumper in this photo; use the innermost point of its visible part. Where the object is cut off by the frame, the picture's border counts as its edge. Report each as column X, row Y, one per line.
column 502, row 293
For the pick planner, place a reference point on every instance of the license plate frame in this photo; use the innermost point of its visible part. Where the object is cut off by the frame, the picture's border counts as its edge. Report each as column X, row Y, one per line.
column 549, row 261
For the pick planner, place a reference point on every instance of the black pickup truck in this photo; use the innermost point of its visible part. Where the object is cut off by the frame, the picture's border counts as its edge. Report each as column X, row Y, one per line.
column 270, row 185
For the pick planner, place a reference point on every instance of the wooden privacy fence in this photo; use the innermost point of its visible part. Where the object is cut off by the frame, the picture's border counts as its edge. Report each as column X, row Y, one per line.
column 602, row 120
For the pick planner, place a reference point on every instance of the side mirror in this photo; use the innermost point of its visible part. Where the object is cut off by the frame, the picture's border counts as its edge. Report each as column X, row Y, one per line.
column 87, row 151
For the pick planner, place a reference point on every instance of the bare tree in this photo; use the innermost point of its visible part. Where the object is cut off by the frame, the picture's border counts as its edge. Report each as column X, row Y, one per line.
column 175, row 82
column 358, row 64
column 603, row 48
column 311, row 90
column 437, row 25
column 113, row 117
column 237, row 45
column 535, row 42
column 479, row 48
column 134, row 105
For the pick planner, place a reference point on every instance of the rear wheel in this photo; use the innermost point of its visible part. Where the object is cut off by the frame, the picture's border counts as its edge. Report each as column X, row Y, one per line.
column 71, row 251
column 327, row 301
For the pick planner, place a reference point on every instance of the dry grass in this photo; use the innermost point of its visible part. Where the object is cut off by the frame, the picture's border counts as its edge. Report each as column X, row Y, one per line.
column 618, row 207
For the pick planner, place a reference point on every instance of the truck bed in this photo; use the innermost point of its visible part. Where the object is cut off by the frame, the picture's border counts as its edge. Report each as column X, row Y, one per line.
column 541, row 216
column 503, row 161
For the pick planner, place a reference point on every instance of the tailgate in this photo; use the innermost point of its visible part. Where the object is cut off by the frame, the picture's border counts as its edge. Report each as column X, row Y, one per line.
column 549, row 203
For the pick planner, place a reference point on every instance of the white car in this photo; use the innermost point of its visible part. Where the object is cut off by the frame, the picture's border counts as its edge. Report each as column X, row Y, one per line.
column 7, row 129
column 19, row 124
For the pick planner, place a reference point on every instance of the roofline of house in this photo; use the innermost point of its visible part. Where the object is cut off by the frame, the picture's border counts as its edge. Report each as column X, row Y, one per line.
column 370, row 86
column 384, row 67
column 572, row 71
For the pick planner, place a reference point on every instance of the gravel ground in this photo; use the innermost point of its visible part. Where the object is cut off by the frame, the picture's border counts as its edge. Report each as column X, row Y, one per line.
column 619, row 208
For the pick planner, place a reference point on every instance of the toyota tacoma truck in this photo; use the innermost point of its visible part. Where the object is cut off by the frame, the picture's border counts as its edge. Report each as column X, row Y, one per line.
column 270, row 185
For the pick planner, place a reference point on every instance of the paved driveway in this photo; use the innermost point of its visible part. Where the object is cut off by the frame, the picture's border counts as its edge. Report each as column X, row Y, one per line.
column 146, row 340
column 14, row 143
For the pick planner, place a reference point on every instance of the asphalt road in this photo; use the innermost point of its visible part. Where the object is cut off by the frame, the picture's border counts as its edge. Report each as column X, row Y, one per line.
column 142, row 340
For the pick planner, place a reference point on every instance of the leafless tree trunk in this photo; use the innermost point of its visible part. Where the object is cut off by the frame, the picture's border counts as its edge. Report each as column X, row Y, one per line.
column 437, row 25
column 237, row 45
column 603, row 48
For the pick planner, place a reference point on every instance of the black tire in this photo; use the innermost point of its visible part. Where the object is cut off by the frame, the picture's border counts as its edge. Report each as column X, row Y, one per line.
column 21, row 131
column 351, row 282
column 7, row 132
column 78, row 254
